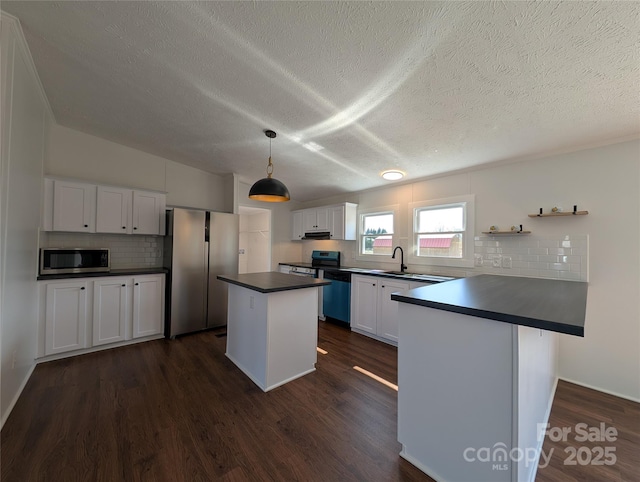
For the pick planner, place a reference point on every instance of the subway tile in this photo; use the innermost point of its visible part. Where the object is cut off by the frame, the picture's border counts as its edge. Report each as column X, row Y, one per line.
column 539, row 251
column 566, row 275
column 560, row 266
column 548, row 243
column 549, row 259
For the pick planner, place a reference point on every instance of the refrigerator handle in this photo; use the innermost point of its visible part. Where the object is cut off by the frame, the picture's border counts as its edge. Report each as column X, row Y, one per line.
column 205, row 302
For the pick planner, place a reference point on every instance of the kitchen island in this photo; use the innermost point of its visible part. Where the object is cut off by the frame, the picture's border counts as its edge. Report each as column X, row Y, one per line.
column 477, row 372
column 272, row 333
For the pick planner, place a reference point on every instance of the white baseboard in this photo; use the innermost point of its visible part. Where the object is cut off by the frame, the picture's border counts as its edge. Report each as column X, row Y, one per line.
column 6, row 414
column 421, row 466
column 609, row 392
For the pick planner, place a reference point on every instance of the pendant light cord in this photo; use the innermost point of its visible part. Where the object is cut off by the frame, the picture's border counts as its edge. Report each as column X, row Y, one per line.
column 270, row 165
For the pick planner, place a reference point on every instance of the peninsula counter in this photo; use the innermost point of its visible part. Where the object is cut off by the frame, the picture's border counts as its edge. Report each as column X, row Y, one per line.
column 272, row 335
column 477, row 372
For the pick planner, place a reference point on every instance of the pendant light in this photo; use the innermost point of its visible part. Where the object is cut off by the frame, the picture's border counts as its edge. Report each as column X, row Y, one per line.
column 269, row 189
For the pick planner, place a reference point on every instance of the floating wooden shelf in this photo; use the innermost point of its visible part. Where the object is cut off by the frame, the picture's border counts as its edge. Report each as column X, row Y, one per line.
column 561, row 213
column 506, row 232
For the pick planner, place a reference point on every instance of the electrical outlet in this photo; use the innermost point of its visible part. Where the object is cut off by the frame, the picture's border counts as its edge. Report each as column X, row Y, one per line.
column 478, row 259
column 506, row 262
column 495, row 262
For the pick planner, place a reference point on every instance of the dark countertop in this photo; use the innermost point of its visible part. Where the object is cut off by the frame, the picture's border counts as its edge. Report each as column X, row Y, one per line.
column 299, row 264
column 113, row 272
column 547, row 304
column 271, row 281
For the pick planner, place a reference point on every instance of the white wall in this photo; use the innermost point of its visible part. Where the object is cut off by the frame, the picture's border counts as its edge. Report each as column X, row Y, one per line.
column 604, row 181
column 25, row 120
column 74, row 154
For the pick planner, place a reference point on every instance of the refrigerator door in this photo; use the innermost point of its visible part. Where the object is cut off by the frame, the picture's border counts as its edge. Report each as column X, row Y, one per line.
column 224, row 233
column 188, row 271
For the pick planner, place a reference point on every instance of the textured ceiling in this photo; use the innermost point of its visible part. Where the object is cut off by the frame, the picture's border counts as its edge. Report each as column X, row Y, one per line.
column 426, row 87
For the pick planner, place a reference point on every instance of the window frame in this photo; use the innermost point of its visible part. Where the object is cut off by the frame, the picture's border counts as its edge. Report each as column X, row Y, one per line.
column 392, row 209
column 468, row 204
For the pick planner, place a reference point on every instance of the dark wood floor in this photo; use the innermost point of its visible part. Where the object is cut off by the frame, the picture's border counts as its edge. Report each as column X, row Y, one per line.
column 180, row 410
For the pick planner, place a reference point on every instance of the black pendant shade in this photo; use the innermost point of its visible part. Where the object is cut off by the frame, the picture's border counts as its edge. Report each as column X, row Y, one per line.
column 269, row 189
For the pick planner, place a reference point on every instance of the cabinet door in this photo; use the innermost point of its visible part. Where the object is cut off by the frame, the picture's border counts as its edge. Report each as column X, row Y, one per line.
column 388, row 309
column 296, row 226
column 336, row 215
column 74, row 206
column 113, row 210
column 322, row 219
column 309, row 220
column 65, row 317
column 363, row 303
column 148, row 208
column 148, row 305
column 109, row 310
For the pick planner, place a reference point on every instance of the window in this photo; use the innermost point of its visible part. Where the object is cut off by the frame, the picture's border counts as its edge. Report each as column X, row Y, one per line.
column 442, row 232
column 375, row 233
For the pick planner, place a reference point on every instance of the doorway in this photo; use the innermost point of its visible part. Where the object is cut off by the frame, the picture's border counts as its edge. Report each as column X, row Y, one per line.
column 255, row 240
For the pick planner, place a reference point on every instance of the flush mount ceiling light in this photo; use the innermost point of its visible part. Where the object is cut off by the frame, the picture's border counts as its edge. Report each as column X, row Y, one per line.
column 269, row 189
column 392, row 175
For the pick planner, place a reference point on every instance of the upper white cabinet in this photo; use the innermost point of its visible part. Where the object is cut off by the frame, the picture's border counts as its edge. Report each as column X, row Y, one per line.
column 315, row 219
column 339, row 220
column 148, row 212
column 74, row 207
column 81, row 207
column 113, row 210
column 296, row 225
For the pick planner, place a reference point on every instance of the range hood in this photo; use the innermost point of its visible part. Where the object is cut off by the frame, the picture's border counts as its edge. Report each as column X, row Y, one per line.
column 317, row 235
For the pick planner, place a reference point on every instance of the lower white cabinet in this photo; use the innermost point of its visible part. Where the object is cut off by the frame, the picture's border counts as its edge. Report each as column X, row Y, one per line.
column 65, row 316
column 109, row 310
column 372, row 310
column 148, row 305
column 82, row 313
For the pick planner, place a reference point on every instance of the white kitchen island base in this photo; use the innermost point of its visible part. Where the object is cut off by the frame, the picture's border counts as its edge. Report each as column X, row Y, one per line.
column 272, row 337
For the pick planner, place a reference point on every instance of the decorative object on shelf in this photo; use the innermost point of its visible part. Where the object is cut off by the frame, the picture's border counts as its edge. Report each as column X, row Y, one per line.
column 494, row 228
column 269, row 189
column 515, row 229
column 559, row 212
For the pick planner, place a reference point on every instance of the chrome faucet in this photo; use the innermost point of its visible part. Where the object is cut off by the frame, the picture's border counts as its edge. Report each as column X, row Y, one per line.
column 393, row 256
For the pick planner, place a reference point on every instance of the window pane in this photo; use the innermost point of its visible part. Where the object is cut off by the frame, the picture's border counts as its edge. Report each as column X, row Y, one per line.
column 440, row 245
column 378, row 223
column 441, row 220
column 376, row 245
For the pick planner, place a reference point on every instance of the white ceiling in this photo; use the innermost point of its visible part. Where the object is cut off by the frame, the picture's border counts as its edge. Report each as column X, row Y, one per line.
column 425, row 87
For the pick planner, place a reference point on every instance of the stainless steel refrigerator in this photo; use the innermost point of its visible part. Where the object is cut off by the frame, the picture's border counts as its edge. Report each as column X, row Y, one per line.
column 199, row 245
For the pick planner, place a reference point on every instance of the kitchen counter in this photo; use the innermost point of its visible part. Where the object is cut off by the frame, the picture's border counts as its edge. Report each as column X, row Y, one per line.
column 552, row 305
column 272, row 333
column 271, row 281
column 113, row 272
column 477, row 360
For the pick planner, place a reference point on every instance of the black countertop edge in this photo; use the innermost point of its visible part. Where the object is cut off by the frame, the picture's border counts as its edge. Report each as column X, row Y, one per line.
column 113, row 272
column 490, row 315
column 272, row 282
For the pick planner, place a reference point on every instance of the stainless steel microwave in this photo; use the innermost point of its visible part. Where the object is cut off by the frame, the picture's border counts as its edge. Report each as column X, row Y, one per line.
column 74, row 260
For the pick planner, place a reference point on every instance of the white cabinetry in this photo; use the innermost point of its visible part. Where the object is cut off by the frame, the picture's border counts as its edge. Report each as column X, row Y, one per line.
column 315, row 219
column 148, row 305
column 372, row 310
column 65, row 316
column 113, row 210
column 81, row 313
column 296, row 225
column 109, row 310
column 339, row 220
column 74, row 207
column 82, row 207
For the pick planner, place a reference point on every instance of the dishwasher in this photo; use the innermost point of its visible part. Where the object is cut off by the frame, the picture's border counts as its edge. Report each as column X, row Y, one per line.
column 336, row 297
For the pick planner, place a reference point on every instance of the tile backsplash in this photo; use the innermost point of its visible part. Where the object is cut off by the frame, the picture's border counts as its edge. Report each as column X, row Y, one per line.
column 558, row 257
column 127, row 251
